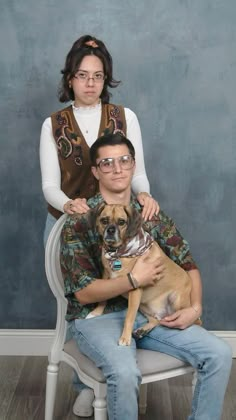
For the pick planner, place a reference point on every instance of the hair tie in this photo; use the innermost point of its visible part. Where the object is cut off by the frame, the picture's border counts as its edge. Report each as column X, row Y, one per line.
column 91, row 44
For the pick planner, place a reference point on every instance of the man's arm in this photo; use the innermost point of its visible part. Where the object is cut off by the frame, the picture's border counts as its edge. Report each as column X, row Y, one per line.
column 99, row 290
column 196, row 292
column 103, row 289
column 166, row 234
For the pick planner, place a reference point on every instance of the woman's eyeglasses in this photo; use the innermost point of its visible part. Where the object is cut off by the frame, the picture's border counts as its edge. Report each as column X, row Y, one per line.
column 84, row 76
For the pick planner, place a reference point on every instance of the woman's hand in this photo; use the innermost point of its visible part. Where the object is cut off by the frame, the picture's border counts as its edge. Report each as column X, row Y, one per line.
column 79, row 205
column 150, row 206
column 181, row 319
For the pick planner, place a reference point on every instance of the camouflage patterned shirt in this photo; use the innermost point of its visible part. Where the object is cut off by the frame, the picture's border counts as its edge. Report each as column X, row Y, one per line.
column 81, row 255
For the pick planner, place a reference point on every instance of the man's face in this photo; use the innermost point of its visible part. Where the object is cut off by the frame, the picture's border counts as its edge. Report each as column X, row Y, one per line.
column 119, row 178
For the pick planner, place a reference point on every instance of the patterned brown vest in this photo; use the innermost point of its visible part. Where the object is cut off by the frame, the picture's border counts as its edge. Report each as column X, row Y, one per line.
column 73, row 152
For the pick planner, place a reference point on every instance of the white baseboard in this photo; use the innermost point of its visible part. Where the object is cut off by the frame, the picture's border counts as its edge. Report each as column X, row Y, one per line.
column 38, row 342
column 25, row 342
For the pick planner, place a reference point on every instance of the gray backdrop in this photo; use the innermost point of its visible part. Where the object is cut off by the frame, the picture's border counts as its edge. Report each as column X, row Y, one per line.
column 177, row 62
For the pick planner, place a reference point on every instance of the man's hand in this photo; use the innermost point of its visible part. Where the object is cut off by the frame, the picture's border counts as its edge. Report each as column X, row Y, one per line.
column 180, row 319
column 147, row 273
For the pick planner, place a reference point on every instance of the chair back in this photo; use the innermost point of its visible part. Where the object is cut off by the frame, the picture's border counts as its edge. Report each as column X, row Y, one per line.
column 56, row 283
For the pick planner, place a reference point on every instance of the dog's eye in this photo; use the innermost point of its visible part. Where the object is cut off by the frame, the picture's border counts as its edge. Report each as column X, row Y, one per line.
column 121, row 222
column 104, row 221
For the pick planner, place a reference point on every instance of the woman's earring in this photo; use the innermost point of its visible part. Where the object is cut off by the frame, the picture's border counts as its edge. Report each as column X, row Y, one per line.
column 69, row 84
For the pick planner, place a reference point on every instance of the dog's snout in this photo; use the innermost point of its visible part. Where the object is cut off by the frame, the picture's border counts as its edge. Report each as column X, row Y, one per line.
column 111, row 229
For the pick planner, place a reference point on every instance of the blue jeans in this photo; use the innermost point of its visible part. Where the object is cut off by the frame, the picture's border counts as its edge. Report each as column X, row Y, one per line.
column 212, row 357
column 50, row 222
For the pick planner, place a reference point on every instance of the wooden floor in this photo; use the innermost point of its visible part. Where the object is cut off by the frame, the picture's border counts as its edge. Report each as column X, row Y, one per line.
column 22, row 392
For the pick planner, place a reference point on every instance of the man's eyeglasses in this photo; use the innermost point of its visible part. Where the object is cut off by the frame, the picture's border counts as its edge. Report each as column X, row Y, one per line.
column 125, row 162
column 84, row 76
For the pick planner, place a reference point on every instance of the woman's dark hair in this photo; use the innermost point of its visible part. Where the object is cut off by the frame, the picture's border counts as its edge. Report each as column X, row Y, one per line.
column 109, row 140
column 78, row 51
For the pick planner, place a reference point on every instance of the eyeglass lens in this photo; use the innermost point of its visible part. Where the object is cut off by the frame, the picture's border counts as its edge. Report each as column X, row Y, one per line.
column 126, row 162
column 85, row 76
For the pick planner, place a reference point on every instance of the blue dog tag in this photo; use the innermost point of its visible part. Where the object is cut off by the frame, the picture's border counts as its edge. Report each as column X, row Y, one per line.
column 116, row 265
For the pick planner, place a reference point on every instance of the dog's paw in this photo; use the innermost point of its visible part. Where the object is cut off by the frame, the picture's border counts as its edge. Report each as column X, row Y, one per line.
column 124, row 341
column 139, row 333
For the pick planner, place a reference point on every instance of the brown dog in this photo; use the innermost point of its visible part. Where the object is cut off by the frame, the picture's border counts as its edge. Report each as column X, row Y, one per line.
column 123, row 241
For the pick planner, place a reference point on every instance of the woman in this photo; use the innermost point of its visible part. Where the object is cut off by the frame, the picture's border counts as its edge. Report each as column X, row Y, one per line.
column 67, row 135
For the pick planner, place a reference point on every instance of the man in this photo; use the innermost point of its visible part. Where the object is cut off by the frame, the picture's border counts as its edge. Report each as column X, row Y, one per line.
column 113, row 164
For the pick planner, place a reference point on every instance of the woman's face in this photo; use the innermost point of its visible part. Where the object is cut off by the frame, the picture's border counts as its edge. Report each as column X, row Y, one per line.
column 88, row 82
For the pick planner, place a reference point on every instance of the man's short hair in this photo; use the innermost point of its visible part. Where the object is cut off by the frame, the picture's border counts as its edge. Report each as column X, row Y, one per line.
column 109, row 140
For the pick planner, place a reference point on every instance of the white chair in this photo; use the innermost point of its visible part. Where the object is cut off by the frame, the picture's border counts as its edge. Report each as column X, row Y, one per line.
column 153, row 365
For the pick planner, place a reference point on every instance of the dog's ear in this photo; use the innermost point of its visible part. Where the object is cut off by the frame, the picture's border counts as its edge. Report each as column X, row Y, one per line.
column 94, row 214
column 134, row 221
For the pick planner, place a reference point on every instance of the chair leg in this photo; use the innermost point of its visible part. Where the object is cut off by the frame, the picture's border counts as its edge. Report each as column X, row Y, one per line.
column 194, row 381
column 143, row 399
column 51, row 386
column 100, row 408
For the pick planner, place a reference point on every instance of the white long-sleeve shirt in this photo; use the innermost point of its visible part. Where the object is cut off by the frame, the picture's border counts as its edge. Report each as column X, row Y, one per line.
column 88, row 119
